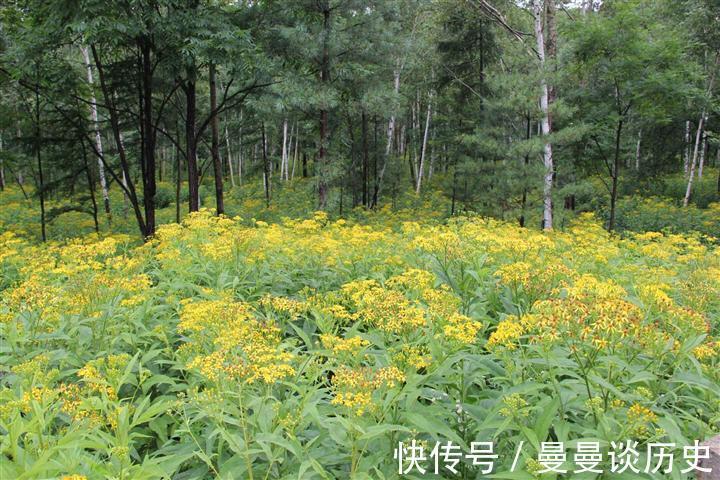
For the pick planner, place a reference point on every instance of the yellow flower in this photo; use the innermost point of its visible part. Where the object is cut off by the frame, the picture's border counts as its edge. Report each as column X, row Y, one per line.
column 232, row 343
column 707, row 351
column 289, row 306
column 638, row 419
column 413, row 356
column 507, row 334
column 461, row 329
column 387, row 310
column 354, row 387
column 514, row 406
column 339, row 346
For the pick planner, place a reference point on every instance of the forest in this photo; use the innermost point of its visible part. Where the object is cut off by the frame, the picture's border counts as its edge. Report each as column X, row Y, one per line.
column 366, row 239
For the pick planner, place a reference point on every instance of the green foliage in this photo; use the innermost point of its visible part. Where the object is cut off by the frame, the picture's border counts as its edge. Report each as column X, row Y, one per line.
column 137, row 362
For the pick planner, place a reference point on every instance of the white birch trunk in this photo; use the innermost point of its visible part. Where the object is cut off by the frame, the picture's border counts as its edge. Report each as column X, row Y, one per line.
column 424, row 145
column 686, row 162
column 701, row 126
column 586, row 6
column 415, row 129
column 545, row 121
column 390, row 132
column 703, row 146
column 431, row 167
column 289, row 152
column 283, row 162
column 124, row 178
column 229, row 157
column 295, row 154
column 693, row 162
column 637, row 151
column 98, row 138
column 391, row 123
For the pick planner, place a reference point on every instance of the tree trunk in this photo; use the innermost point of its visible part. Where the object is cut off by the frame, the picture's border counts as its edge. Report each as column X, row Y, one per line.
column 415, row 124
column 411, row 165
column 551, row 41
column 703, row 151
column 321, row 171
column 284, row 161
column 91, row 187
column 229, row 156
column 637, row 151
column 365, row 160
column 701, row 125
column 431, row 166
column 98, row 137
column 686, row 161
column 693, row 162
column 390, row 136
column 126, row 181
column 215, row 143
column 424, row 145
column 615, row 176
column 191, row 145
column 38, row 156
column 266, row 167
column 545, row 122
column 149, row 185
column 178, row 177
column 295, row 154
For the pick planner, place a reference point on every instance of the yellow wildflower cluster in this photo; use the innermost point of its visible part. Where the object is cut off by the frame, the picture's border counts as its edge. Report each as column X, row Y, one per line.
column 514, row 406
column 99, row 374
column 533, row 281
column 442, row 242
column 387, row 310
column 10, row 245
column 507, row 334
column 502, row 240
column 441, row 302
column 35, row 296
column 412, row 279
column 343, row 346
column 639, row 417
column 670, row 314
column 234, row 344
column 707, row 351
column 461, row 328
column 416, row 357
column 587, row 288
column 289, row 306
column 637, row 298
column 36, row 370
column 354, row 387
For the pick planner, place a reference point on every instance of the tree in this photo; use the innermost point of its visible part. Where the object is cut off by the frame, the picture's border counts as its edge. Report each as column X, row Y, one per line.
column 626, row 61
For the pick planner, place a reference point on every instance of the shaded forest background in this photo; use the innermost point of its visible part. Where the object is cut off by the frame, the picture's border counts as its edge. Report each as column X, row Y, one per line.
column 126, row 114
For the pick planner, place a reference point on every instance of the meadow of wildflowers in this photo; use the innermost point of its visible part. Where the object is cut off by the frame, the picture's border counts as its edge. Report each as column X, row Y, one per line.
column 309, row 348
